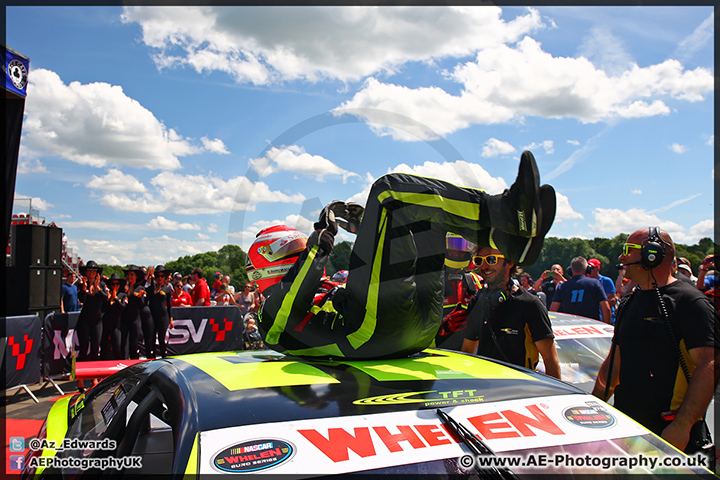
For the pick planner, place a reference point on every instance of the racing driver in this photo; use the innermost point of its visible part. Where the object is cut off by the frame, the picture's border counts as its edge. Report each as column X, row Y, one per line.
column 391, row 305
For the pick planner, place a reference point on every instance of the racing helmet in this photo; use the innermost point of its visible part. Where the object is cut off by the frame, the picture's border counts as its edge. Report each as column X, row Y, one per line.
column 458, row 251
column 272, row 254
column 340, row 276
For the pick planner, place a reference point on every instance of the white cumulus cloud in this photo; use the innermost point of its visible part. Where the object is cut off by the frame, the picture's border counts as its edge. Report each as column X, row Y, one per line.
column 610, row 221
column 30, row 166
column 116, row 181
column 677, row 148
column 495, row 147
column 197, row 195
column 214, row 145
column 143, row 251
column 262, row 45
column 507, row 82
column 295, row 159
column 162, row 223
column 97, row 124
column 564, row 209
column 547, row 145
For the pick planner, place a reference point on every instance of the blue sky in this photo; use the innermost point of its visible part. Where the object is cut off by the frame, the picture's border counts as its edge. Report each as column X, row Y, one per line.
column 153, row 133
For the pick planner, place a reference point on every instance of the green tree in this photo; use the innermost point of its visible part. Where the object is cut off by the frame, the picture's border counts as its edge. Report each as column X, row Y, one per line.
column 607, row 251
column 561, row 251
column 339, row 258
column 228, row 260
column 108, row 270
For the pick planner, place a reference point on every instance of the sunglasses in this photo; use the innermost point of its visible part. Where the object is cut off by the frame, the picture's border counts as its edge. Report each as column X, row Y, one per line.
column 489, row 259
column 161, row 275
column 628, row 246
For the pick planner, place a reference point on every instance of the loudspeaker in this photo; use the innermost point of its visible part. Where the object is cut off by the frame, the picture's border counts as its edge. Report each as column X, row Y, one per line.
column 53, row 246
column 25, row 289
column 27, row 245
column 53, row 286
column 653, row 252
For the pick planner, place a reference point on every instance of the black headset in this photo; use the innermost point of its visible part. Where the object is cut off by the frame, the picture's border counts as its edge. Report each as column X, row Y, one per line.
column 653, row 252
column 497, row 297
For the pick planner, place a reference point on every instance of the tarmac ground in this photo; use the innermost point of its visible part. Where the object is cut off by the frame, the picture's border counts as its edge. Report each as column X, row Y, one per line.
column 24, row 416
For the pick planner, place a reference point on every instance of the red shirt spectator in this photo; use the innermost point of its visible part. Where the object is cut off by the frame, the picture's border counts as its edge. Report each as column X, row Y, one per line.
column 201, row 291
column 180, row 298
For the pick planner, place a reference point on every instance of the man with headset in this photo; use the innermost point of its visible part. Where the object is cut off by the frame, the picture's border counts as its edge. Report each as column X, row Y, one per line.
column 665, row 347
column 507, row 322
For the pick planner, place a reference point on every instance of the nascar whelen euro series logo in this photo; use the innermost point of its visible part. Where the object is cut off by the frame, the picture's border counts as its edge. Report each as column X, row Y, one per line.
column 253, row 456
column 590, row 415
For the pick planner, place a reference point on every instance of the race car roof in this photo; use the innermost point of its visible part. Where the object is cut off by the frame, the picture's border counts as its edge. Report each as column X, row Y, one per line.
column 558, row 318
column 252, row 387
column 566, row 326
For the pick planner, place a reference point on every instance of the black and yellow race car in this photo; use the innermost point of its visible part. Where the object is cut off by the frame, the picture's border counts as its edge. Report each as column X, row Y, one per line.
column 437, row 413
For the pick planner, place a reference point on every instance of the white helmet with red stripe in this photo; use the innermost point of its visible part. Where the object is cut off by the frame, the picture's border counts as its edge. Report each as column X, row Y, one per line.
column 272, row 254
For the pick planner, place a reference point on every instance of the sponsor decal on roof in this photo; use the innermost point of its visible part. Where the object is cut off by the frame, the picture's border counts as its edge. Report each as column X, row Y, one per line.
column 432, row 398
column 582, row 331
column 364, row 442
column 253, row 455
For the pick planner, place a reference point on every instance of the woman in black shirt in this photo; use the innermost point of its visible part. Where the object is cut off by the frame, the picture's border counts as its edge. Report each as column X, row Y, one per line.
column 160, row 300
column 92, row 293
column 136, row 304
column 111, row 343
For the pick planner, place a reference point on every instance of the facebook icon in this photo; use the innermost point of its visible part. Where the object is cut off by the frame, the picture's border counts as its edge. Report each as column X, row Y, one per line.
column 17, row 462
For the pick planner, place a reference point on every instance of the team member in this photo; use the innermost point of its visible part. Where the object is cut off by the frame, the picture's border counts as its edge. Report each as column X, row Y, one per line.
column 581, row 295
column 505, row 321
column 666, row 331
column 392, row 302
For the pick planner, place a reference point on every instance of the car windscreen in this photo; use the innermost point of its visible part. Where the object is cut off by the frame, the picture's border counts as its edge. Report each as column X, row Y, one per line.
column 580, row 358
column 98, row 410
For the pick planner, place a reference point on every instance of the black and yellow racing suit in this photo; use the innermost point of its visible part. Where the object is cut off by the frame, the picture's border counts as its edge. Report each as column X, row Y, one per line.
column 392, row 303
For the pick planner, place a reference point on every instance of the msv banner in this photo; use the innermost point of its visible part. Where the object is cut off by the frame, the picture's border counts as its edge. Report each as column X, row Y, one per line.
column 195, row 330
